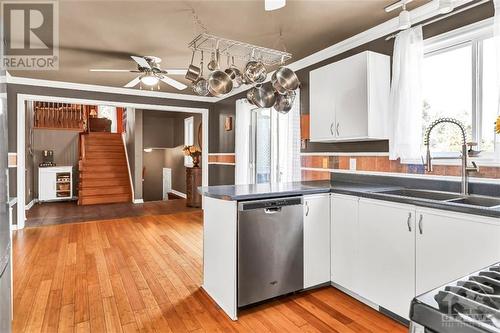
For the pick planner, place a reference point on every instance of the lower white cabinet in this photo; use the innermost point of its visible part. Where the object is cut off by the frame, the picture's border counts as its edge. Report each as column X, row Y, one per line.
column 387, row 254
column 55, row 183
column 344, row 241
column 450, row 245
column 316, row 240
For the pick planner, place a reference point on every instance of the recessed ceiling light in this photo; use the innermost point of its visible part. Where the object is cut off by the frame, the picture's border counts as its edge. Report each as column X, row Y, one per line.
column 150, row 80
column 446, row 6
column 274, row 4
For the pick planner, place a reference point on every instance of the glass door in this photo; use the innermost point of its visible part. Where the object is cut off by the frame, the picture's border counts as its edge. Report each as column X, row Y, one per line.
column 261, row 148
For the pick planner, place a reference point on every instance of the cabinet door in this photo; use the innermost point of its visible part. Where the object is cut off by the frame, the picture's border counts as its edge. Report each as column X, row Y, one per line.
column 344, row 241
column 387, row 254
column 321, row 106
column 451, row 245
column 47, row 185
column 350, row 90
column 316, row 240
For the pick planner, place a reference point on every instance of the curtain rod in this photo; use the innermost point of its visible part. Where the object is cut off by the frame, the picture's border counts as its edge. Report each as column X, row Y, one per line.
column 463, row 9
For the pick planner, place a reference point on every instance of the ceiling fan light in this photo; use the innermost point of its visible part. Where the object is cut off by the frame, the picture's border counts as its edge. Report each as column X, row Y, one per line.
column 274, row 4
column 150, row 80
column 446, row 6
column 404, row 20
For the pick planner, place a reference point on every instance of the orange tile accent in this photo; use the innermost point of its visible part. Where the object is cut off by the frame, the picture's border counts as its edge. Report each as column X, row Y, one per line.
column 12, row 160
column 315, row 175
column 304, row 127
column 221, row 159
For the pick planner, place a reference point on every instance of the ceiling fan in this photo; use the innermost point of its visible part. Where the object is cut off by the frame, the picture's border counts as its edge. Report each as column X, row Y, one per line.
column 150, row 73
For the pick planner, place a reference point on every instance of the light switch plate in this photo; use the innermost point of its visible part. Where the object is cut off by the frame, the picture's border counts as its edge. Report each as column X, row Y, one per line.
column 352, row 164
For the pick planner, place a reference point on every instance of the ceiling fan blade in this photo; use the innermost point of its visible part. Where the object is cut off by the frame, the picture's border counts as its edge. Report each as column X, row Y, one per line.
column 113, row 70
column 175, row 71
column 174, row 83
column 133, row 83
column 141, row 62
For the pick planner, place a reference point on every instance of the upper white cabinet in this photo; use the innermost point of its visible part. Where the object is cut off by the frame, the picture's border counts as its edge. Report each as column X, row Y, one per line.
column 316, row 240
column 344, row 241
column 349, row 99
column 387, row 254
column 450, row 245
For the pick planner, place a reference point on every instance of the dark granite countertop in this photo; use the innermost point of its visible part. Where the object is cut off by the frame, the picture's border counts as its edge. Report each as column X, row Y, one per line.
column 365, row 190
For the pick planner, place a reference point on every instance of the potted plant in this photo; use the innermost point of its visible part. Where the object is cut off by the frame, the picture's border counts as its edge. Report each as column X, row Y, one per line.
column 195, row 153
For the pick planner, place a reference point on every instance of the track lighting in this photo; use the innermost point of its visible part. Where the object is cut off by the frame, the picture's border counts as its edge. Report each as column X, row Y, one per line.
column 404, row 19
column 274, row 4
column 446, row 6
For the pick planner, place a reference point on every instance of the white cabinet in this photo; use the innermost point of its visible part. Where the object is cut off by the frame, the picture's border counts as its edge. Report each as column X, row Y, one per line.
column 316, row 239
column 344, row 241
column 387, row 254
column 349, row 99
column 55, row 183
column 450, row 245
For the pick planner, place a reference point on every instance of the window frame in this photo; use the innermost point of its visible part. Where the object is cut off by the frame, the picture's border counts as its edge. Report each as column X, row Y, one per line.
column 474, row 35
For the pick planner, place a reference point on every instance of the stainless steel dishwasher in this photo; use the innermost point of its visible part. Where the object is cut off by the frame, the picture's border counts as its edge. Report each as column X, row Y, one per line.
column 270, row 249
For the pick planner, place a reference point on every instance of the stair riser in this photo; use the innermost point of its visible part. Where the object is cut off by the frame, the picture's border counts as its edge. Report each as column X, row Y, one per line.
column 104, row 168
column 104, row 200
column 104, row 155
column 94, row 183
column 104, row 148
column 87, row 192
column 103, row 175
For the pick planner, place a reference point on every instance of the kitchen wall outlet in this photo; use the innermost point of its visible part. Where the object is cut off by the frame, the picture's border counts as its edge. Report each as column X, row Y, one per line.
column 352, row 164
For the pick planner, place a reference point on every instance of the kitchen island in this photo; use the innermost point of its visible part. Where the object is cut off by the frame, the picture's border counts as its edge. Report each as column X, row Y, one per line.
column 338, row 237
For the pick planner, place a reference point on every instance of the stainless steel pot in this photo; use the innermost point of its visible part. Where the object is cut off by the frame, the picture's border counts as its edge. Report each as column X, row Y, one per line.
column 200, row 87
column 287, row 79
column 193, row 72
column 219, row 83
column 251, row 95
column 235, row 74
column 255, row 71
column 284, row 103
column 264, row 96
column 212, row 64
column 276, row 85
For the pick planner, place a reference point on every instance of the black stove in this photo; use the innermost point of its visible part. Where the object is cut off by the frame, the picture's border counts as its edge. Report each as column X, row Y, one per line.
column 470, row 304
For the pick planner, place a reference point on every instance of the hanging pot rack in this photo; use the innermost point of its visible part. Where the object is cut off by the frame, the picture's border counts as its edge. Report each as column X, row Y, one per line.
column 238, row 50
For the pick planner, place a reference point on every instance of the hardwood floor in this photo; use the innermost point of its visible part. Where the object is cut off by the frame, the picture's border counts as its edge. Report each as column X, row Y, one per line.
column 49, row 213
column 144, row 274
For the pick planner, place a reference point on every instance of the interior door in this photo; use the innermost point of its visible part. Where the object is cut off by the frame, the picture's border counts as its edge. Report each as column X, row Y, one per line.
column 451, row 245
column 350, row 91
column 387, row 254
column 261, row 150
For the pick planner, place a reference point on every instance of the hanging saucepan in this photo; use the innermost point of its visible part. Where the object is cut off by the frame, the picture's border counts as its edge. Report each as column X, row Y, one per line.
column 251, row 95
column 264, row 96
column 235, row 74
column 286, row 78
column 212, row 64
column 277, row 86
column 255, row 71
column 200, row 86
column 284, row 102
column 219, row 83
column 193, row 72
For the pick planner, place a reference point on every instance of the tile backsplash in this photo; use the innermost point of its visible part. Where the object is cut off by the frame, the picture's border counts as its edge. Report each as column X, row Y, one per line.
column 380, row 164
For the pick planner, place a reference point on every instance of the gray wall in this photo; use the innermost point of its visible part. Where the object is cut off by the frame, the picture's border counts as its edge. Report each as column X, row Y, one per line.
column 165, row 130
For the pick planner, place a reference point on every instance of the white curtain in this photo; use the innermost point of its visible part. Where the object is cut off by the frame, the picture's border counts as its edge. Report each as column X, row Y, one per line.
column 496, row 31
column 406, row 102
column 242, row 142
column 288, row 143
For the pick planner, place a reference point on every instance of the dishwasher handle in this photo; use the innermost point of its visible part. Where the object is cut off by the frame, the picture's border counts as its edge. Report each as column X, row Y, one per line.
column 272, row 210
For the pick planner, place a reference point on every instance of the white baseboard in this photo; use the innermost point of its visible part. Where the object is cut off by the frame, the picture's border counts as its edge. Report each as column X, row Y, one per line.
column 180, row 194
column 138, row 201
column 32, row 202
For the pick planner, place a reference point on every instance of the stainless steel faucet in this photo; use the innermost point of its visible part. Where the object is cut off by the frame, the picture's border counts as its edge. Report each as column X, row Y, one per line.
column 465, row 167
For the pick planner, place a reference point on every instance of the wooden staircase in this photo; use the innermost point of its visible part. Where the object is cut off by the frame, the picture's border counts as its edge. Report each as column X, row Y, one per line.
column 104, row 176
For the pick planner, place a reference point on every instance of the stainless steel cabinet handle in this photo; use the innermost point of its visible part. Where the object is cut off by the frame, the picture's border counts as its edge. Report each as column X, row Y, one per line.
column 421, row 224
column 307, row 208
column 409, row 222
column 338, row 132
column 331, row 128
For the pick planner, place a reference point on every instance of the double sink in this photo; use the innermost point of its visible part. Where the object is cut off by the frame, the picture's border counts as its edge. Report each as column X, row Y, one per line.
column 448, row 197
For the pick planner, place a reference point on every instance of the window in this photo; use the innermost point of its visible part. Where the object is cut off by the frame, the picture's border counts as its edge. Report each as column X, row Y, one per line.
column 460, row 81
column 188, row 139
